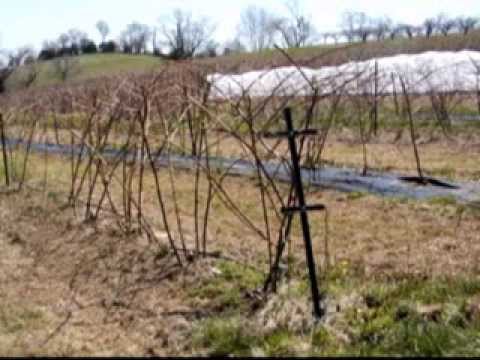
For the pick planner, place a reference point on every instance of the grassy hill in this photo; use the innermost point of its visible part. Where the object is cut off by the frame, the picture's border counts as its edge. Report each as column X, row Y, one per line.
column 91, row 66
column 87, row 67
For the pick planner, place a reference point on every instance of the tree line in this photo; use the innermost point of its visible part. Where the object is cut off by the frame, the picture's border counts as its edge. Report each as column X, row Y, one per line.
column 358, row 26
column 181, row 36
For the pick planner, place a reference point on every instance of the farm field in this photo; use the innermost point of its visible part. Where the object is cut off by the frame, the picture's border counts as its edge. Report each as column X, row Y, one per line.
column 84, row 288
column 112, row 249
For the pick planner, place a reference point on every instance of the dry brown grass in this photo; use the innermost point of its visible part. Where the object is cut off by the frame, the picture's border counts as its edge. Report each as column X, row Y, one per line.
column 85, row 289
column 454, row 159
column 442, row 158
column 119, row 294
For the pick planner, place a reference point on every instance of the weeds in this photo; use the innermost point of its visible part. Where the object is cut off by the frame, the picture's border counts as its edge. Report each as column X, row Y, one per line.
column 392, row 319
column 443, row 201
column 224, row 337
column 226, row 290
column 15, row 319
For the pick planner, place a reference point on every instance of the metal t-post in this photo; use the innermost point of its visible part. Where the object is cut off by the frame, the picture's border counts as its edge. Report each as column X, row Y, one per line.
column 303, row 209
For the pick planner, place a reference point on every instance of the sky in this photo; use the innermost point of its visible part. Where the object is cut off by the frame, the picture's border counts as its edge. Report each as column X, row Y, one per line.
column 30, row 22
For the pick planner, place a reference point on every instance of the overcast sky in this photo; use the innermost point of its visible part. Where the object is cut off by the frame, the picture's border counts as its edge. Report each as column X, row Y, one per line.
column 30, row 22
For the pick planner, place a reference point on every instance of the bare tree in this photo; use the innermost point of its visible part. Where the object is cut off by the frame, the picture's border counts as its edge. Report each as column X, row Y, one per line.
column 103, row 29
column 184, row 36
column 364, row 28
column 135, row 37
column 296, row 30
column 63, row 41
column 429, row 26
column 444, row 24
column 348, row 25
column 234, row 46
column 65, row 66
column 209, row 50
column 381, row 27
column 418, row 30
column 25, row 57
column 256, row 28
column 356, row 25
column 395, row 31
column 49, row 50
column 18, row 57
column 465, row 24
column 76, row 37
column 30, row 73
column 407, row 29
column 12, row 60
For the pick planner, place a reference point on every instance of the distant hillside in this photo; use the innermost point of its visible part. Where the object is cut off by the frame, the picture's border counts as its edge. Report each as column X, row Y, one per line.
column 92, row 66
column 316, row 56
column 87, row 67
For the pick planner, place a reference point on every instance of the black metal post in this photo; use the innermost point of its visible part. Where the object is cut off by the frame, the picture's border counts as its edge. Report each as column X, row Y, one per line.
column 303, row 209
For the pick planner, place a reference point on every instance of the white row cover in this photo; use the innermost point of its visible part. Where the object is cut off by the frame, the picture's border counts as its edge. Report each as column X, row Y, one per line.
column 422, row 73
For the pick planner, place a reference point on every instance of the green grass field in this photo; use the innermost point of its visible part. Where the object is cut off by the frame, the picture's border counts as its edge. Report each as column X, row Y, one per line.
column 88, row 67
